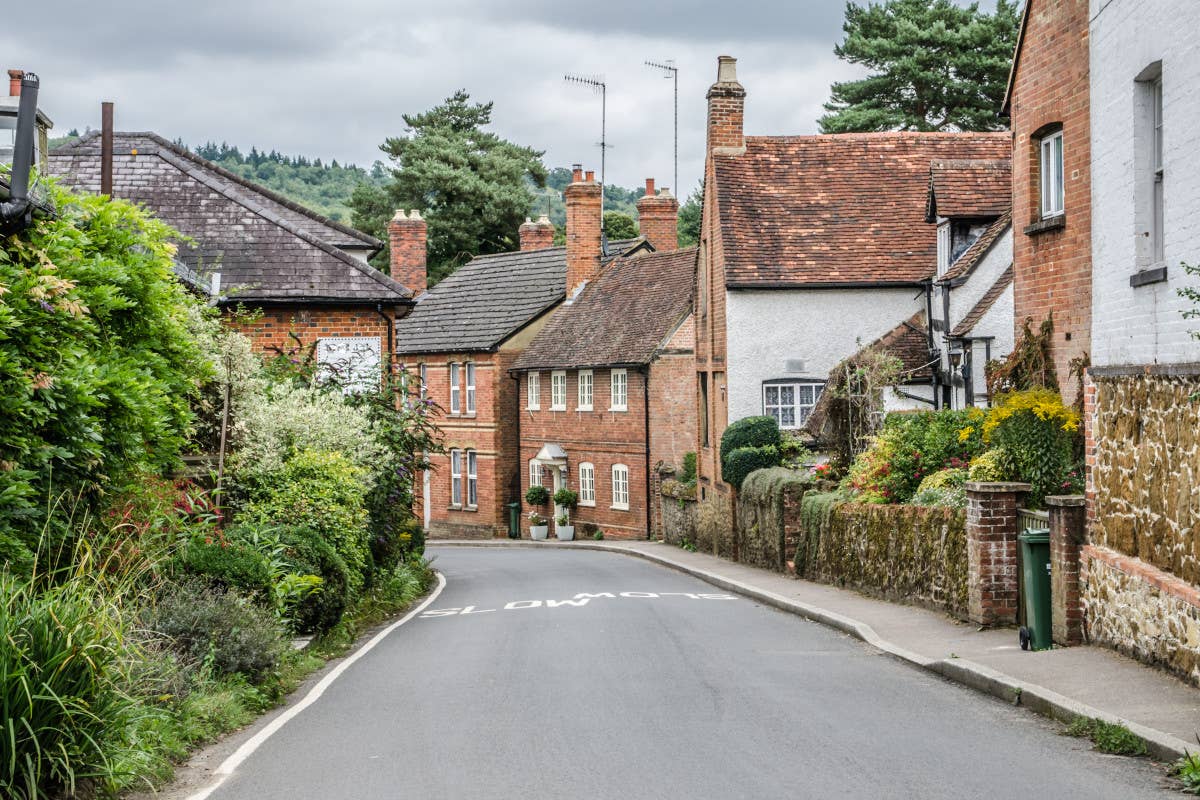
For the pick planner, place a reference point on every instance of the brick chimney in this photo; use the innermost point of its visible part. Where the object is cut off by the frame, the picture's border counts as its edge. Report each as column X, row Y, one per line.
column 537, row 235
column 726, row 108
column 406, row 236
column 582, row 196
column 658, row 217
column 14, row 82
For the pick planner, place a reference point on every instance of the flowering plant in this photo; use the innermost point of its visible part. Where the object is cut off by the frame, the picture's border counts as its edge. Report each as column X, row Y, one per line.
column 536, row 519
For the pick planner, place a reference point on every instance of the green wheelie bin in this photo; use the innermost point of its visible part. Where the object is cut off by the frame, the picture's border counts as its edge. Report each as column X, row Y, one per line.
column 1035, row 589
column 514, row 520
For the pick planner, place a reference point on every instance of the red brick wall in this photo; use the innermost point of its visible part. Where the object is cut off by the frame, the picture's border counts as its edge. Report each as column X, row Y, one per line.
column 601, row 437
column 536, row 235
column 408, row 251
column 710, row 335
column 1053, row 268
column 271, row 330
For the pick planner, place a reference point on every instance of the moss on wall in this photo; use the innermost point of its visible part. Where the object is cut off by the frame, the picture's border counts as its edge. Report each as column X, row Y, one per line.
column 768, row 516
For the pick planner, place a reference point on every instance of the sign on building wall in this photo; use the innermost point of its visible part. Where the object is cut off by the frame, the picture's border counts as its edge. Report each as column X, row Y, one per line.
column 352, row 361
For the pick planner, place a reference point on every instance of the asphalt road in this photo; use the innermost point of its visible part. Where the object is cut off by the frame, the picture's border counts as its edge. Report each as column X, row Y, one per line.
column 687, row 694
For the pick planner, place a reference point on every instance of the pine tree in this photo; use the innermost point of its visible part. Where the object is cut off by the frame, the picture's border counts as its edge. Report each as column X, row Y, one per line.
column 469, row 184
column 935, row 66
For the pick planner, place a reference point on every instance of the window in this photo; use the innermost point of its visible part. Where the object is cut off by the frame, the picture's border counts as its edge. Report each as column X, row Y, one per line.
column 790, row 403
column 587, row 484
column 472, row 478
column 943, row 247
column 423, row 371
column 558, row 391
column 535, row 473
column 1156, row 228
column 533, row 383
column 456, row 477
column 619, row 389
column 1051, row 174
column 585, row 390
column 455, row 388
column 620, row 487
column 470, row 371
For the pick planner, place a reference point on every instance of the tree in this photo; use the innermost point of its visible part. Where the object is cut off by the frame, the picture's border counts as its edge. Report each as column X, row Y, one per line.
column 619, row 226
column 689, row 217
column 935, row 66
column 471, row 186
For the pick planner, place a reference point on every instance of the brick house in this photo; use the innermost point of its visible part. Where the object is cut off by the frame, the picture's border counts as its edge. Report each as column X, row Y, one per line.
column 1048, row 106
column 306, row 277
column 607, row 387
column 461, row 341
column 810, row 247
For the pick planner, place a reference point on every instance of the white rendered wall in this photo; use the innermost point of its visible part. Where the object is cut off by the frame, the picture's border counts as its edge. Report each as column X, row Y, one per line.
column 820, row 327
column 997, row 259
column 1143, row 325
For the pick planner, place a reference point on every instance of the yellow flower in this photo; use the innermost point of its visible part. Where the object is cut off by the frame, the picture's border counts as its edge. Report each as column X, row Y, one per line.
column 965, row 433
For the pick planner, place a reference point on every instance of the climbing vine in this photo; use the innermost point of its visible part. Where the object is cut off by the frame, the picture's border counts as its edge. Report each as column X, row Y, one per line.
column 1030, row 365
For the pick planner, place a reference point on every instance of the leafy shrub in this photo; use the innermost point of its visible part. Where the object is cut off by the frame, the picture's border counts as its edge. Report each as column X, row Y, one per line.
column 991, row 466
column 397, row 542
column 567, row 498
column 1187, row 769
column 65, row 717
column 309, row 554
column 947, row 496
column 322, row 491
column 749, row 432
column 688, row 474
column 741, row 462
column 228, row 565
column 218, row 628
column 951, row 478
column 1040, row 436
column 537, row 495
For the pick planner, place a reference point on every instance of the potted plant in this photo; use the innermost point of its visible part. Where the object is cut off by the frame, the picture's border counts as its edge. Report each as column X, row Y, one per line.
column 537, row 496
column 566, row 500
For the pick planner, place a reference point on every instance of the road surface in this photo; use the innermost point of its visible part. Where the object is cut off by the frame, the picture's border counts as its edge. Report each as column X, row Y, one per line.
column 580, row 674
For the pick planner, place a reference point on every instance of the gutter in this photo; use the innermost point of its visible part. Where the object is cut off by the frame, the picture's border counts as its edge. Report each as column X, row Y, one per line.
column 826, row 285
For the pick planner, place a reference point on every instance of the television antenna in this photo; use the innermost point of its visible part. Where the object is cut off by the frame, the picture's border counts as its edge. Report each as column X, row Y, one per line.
column 669, row 70
column 597, row 84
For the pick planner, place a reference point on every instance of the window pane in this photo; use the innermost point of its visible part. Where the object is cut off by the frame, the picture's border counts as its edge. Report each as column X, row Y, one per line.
column 787, row 417
column 804, row 394
column 1058, row 172
column 787, row 395
column 771, row 393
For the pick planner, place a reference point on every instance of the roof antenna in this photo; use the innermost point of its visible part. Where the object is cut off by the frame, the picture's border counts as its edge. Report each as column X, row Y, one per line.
column 597, row 83
column 671, row 71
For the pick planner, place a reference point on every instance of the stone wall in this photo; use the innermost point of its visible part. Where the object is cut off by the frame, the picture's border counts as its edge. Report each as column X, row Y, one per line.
column 1144, row 459
column 1141, row 612
column 714, row 525
column 768, row 517
column 679, row 512
column 911, row 554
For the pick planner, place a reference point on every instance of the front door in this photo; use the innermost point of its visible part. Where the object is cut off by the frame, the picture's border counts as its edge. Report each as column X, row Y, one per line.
column 557, row 484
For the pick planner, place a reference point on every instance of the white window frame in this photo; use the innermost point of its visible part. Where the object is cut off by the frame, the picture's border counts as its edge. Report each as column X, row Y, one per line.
column 620, row 487
column 533, row 388
column 455, row 370
column 943, row 247
column 618, row 401
column 472, row 479
column 1157, row 211
column 558, row 390
column 456, row 485
column 587, row 484
column 423, row 372
column 800, row 411
column 469, row 375
column 1051, row 174
column 584, row 378
column 535, row 473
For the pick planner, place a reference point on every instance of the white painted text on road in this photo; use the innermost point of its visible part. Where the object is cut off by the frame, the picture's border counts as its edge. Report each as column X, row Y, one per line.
column 581, row 599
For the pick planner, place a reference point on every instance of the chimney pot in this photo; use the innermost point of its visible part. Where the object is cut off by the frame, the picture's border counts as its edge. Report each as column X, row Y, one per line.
column 14, row 82
column 576, row 173
column 658, row 218
column 726, row 69
column 590, row 176
column 536, row 235
column 649, row 186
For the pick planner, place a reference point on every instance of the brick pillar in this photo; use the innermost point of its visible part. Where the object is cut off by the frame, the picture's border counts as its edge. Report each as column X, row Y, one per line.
column 582, row 197
column 658, row 218
column 1067, row 527
column 726, row 109
column 407, row 236
column 992, row 551
column 537, row 235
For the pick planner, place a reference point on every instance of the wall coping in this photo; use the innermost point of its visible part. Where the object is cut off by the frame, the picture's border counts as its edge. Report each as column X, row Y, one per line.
column 1136, row 568
column 1066, row 500
column 1182, row 370
column 997, row 487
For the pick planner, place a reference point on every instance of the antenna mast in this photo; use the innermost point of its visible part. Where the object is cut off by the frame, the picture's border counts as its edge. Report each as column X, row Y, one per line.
column 597, row 84
column 671, row 71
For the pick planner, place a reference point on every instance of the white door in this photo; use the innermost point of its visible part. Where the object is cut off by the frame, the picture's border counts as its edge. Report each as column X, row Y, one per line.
column 558, row 482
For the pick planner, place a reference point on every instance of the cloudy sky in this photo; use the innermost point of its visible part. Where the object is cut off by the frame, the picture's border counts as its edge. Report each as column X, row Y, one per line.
column 331, row 80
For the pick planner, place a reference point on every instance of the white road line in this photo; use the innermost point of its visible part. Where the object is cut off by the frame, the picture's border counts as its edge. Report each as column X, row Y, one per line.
column 253, row 743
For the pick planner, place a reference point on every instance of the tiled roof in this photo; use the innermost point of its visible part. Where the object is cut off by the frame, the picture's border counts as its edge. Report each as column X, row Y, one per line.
column 267, row 249
column 989, row 299
column 621, row 318
column 835, row 209
column 969, row 188
column 487, row 300
column 965, row 264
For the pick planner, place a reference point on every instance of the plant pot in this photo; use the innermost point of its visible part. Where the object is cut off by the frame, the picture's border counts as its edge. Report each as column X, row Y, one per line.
column 539, row 531
column 565, row 533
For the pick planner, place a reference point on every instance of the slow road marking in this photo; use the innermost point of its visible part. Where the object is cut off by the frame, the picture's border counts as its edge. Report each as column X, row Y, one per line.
column 579, row 600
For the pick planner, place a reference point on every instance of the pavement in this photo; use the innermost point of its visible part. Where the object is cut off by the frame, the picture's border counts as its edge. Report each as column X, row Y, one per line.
column 1062, row 683
column 550, row 672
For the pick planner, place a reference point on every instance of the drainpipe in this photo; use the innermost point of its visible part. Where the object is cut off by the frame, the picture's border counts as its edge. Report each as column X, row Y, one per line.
column 515, row 487
column 391, row 339
column 934, row 381
column 646, row 413
column 16, row 211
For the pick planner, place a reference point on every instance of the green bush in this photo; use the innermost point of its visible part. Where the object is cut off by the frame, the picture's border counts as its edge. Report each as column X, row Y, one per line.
column 744, row 460
column 749, row 432
column 65, row 718
column 688, row 475
column 950, row 478
column 1108, row 737
column 219, row 629
column 308, row 554
column 228, row 565
column 1041, row 437
column 396, row 542
column 992, row 466
column 324, row 492
column 1187, row 769
column 567, row 498
column 537, row 495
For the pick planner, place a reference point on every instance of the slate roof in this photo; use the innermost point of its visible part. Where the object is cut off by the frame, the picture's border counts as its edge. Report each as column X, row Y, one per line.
column 621, row 318
column 835, row 209
column 487, row 300
column 968, row 323
column 969, row 188
column 965, row 264
column 267, row 249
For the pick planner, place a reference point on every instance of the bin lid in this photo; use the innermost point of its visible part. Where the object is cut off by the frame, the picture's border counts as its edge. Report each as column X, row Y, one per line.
column 1035, row 536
